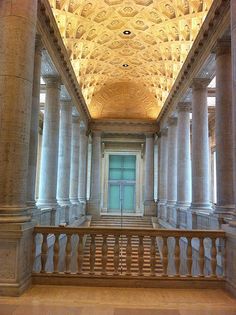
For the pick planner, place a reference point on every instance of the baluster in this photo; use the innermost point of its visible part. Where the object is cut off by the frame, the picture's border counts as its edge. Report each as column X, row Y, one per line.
column 140, row 255
column 165, row 256
column 201, row 257
column 44, row 253
column 68, row 253
column 92, row 254
column 116, row 255
column 128, row 255
column 56, row 249
column 177, row 256
column 104, row 255
column 213, row 257
column 189, row 257
column 80, row 254
column 33, row 251
column 223, row 253
column 153, row 255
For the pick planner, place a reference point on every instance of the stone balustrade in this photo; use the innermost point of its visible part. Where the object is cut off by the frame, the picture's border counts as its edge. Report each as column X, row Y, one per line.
column 81, row 254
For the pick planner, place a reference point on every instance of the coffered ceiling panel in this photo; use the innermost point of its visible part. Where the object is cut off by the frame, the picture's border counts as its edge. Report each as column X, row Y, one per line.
column 127, row 53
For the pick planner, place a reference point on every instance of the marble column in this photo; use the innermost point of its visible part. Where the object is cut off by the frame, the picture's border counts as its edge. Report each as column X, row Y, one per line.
column 17, row 45
column 149, row 203
column 200, row 146
column 74, row 171
column 233, row 53
column 94, row 205
column 224, row 129
column 163, row 174
column 171, row 167
column 64, row 156
column 83, row 152
column 34, row 125
column 183, row 165
column 49, row 155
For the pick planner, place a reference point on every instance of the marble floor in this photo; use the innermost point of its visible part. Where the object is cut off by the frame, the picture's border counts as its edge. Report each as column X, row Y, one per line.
column 65, row 300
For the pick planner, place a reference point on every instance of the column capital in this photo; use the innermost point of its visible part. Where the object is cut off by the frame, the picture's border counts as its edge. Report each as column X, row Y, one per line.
column 83, row 129
column 149, row 135
column 164, row 131
column 184, row 107
column 38, row 44
column 172, row 121
column 53, row 81
column 66, row 103
column 75, row 119
column 96, row 133
column 200, row 83
column 223, row 47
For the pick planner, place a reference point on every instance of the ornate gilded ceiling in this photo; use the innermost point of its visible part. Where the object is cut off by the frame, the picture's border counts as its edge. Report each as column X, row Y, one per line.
column 128, row 76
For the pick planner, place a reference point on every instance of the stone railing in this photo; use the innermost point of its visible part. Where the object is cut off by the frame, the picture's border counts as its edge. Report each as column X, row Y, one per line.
column 78, row 255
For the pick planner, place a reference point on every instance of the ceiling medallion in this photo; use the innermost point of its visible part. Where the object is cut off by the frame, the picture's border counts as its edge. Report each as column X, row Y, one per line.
column 126, row 32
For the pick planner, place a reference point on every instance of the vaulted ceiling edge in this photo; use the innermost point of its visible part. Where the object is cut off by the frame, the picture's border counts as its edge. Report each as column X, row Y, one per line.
column 127, row 53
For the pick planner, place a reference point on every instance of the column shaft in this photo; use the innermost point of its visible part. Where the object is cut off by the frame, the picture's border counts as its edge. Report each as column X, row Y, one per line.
column 233, row 51
column 183, row 156
column 34, row 125
column 149, row 169
column 95, row 195
column 74, row 172
column 17, row 45
column 224, row 134
column 49, row 157
column 162, row 210
column 200, row 146
column 149, row 203
column 64, row 156
column 163, row 167
column 83, row 150
column 172, row 162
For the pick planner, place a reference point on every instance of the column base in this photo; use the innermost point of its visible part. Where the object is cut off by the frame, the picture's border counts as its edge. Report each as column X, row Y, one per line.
column 150, row 208
column 82, row 206
column 15, row 214
column 170, row 211
column 224, row 210
column 162, row 210
column 16, row 254
column 181, row 212
column 50, row 213
column 94, row 207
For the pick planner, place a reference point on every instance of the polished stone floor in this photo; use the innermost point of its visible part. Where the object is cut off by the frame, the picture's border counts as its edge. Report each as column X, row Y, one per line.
column 55, row 300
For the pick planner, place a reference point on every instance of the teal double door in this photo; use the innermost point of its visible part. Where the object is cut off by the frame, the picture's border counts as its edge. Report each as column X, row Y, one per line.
column 122, row 183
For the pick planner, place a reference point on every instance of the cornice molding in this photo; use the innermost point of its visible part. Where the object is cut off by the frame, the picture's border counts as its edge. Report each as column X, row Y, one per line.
column 124, row 126
column 52, row 41
column 213, row 28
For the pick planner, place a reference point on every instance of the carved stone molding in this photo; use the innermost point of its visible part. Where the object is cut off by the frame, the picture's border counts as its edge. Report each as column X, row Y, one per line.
column 52, row 41
column 184, row 107
column 124, row 126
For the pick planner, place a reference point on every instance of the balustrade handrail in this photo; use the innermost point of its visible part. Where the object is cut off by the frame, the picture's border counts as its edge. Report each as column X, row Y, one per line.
column 129, row 231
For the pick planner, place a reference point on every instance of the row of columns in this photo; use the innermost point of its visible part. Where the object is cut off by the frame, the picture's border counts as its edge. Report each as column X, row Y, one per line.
column 184, row 179
column 63, row 157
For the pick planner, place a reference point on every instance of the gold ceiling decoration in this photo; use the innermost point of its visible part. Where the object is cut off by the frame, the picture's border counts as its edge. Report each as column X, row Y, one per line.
column 128, row 75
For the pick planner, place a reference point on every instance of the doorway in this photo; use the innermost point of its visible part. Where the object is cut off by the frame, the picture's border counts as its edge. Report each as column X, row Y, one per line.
column 122, row 183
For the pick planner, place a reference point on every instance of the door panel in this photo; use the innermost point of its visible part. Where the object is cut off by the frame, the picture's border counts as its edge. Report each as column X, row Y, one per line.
column 122, row 183
column 114, row 197
column 129, row 197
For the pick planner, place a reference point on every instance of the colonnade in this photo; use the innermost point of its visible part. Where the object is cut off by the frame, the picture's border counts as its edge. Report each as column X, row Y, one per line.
column 184, row 186
column 62, row 180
